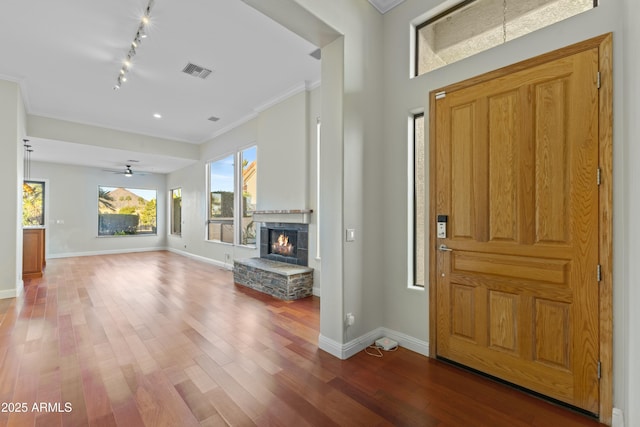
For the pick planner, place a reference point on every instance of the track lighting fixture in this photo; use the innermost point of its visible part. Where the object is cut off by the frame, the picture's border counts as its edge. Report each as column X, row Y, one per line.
column 27, row 158
column 141, row 33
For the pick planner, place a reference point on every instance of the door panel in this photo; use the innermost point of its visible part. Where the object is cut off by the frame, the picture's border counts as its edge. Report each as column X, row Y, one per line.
column 517, row 159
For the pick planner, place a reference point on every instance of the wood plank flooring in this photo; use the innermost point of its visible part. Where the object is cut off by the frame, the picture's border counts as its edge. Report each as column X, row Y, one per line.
column 156, row 339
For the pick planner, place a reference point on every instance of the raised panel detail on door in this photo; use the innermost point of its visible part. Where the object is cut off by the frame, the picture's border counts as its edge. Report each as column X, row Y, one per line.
column 552, row 338
column 462, row 143
column 463, row 311
column 553, row 170
column 517, row 159
column 503, row 321
column 504, row 119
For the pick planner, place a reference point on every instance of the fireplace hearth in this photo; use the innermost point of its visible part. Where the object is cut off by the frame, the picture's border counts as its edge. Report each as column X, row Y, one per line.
column 282, row 270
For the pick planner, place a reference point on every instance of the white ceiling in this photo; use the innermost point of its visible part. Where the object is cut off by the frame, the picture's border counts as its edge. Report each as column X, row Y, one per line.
column 66, row 55
column 384, row 6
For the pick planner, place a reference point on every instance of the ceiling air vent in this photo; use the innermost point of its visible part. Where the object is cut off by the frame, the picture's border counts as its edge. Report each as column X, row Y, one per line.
column 196, row 71
column 213, row 119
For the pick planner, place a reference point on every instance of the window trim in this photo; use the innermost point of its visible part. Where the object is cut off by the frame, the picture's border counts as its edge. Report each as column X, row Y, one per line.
column 436, row 14
column 317, row 219
column 240, row 197
column 109, row 236
column 171, row 224
column 209, row 220
column 411, row 203
column 430, row 20
column 45, row 202
column 237, row 195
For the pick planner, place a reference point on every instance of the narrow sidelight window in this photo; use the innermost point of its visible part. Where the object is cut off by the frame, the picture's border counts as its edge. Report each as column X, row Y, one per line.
column 176, row 211
column 419, row 201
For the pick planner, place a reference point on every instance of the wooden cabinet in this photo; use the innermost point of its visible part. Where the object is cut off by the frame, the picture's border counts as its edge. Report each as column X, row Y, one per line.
column 33, row 260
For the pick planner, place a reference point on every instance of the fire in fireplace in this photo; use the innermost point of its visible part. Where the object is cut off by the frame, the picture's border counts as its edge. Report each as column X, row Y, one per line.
column 281, row 245
column 285, row 242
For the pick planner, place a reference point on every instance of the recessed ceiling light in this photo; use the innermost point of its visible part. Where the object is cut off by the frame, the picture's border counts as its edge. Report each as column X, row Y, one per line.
column 157, row 115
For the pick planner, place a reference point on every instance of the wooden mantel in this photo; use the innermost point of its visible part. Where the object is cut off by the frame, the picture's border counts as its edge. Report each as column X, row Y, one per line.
column 298, row 216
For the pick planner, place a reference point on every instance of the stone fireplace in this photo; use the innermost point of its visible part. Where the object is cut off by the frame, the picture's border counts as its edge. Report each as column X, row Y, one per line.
column 282, row 269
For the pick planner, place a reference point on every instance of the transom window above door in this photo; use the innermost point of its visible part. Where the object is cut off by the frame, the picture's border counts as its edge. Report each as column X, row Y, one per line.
column 473, row 26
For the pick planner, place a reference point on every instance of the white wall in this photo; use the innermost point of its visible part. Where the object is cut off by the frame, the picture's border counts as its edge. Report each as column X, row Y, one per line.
column 352, row 157
column 626, row 227
column 72, row 210
column 61, row 130
column 283, row 153
column 192, row 180
column 281, row 133
column 12, row 118
column 19, row 157
column 314, row 106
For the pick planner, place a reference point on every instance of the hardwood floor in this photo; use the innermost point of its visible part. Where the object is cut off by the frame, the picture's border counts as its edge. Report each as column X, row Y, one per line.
column 156, row 339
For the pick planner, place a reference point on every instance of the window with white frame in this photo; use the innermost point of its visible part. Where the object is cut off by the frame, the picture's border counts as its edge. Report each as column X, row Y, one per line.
column 175, row 198
column 318, row 129
column 232, row 198
column 418, row 201
column 33, row 203
column 472, row 26
column 126, row 211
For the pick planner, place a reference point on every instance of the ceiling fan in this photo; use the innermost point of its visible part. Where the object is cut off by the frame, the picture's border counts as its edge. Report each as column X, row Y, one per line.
column 128, row 172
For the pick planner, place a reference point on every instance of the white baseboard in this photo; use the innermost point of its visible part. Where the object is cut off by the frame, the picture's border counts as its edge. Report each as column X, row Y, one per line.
column 407, row 341
column 316, row 291
column 19, row 288
column 617, row 419
column 9, row 293
column 332, row 347
column 356, row 345
column 110, row 252
column 215, row 262
column 345, row 351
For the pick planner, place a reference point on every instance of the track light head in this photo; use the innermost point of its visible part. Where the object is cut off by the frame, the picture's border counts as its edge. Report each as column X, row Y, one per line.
column 141, row 33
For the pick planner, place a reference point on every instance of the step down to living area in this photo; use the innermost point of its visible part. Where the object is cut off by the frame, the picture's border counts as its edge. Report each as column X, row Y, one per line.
column 278, row 279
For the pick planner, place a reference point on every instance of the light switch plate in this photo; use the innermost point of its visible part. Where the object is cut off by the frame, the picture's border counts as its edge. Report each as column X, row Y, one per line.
column 351, row 234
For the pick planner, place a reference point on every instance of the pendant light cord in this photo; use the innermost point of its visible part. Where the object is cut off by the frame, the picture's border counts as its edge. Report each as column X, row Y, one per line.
column 504, row 21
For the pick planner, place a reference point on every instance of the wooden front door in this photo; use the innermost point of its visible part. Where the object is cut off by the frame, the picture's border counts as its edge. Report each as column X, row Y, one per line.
column 516, row 174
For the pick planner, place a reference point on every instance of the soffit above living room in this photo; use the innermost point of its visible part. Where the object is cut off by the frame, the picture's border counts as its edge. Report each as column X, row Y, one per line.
column 67, row 55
